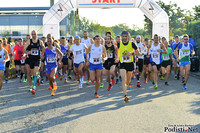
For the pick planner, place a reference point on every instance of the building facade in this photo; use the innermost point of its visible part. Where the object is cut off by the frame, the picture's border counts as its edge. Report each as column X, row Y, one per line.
column 20, row 21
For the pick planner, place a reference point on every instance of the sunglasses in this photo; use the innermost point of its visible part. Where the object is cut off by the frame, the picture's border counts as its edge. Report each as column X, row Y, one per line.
column 185, row 39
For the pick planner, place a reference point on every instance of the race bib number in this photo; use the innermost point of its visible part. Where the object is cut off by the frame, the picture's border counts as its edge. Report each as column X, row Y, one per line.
column 22, row 61
column 185, row 53
column 155, row 55
column 166, row 57
column 110, row 55
column 34, row 52
column 50, row 59
column 96, row 60
column 78, row 52
column 126, row 58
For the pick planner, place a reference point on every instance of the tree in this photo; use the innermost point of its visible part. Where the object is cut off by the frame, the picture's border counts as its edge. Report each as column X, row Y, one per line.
column 196, row 12
column 177, row 18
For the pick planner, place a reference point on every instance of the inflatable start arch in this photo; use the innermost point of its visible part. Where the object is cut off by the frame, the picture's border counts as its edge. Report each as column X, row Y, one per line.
column 62, row 8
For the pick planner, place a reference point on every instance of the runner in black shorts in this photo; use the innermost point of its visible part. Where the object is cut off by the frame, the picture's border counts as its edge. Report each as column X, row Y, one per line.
column 109, row 64
column 34, row 55
column 126, row 53
column 64, row 49
column 147, row 63
column 139, row 60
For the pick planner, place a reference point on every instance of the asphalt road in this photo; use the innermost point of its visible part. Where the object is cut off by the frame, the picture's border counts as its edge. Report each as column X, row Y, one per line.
column 74, row 110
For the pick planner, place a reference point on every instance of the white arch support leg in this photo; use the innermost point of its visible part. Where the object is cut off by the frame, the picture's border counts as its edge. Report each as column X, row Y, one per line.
column 55, row 15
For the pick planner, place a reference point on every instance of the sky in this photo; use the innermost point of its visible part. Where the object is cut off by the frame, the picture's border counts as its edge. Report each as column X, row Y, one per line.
column 105, row 17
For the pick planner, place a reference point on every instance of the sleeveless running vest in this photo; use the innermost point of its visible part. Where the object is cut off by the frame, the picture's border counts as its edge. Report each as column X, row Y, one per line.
column 96, row 54
column 184, row 53
column 64, row 49
column 50, row 57
column 155, row 55
column 123, row 49
column 110, row 52
column 35, row 50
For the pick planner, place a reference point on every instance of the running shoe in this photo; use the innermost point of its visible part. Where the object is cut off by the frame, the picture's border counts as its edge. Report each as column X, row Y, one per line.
column 184, row 86
column 109, row 87
column 55, row 87
column 50, row 87
column 33, row 91
column 25, row 80
column 155, row 87
column 42, row 81
column 162, row 78
column 138, row 84
column 117, row 80
column 30, row 90
column 38, row 82
column 175, row 77
column 87, row 82
column 82, row 80
column 120, row 78
column 145, row 81
column 70, row 77
column 80, row 85
column 166, row 83
column 113, row 81
column 61, row 78
column 6, row 81
column 53, row 92
column 92, row 82
column 66, row 81
column 56, row 75
column 126, row 99
column 96, row 96
column 129, row 87
column 102, row 85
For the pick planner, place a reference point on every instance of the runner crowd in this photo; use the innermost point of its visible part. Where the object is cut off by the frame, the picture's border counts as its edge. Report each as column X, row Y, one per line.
column 120, row 59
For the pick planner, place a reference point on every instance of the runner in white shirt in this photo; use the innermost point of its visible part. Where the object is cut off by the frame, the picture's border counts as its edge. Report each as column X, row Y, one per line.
column 98, row 55
column 78, row 52
column 88, row 41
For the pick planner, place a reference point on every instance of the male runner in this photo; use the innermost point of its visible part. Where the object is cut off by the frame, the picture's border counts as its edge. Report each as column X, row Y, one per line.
column 78, row 52
column 140, row 60
column 156, row 50
column 64, row 49
column 51, row 63
column 147, row 64
column 4, row 57
column 88, row 41
column 110, row 63
column 34, row 54
column 97, row 55
column 185, row 50
column 166, row 64
column 126, row 54
column 7, row 47
column 19, row 58
column 174, row 45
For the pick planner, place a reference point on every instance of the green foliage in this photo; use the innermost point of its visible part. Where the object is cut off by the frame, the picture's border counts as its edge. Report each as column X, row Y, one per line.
column 193, row 29
column 178, row 18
